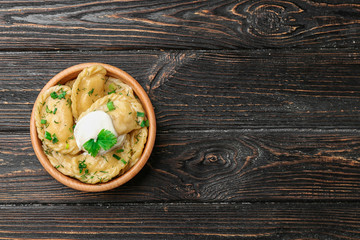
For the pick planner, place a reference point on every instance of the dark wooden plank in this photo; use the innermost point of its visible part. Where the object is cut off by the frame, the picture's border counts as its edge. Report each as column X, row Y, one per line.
column 263, row 89
column 206, row 166
column 182, row 221
column 162, row 24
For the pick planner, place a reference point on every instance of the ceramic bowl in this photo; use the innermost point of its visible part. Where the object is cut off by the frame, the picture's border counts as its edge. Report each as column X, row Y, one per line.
column 70, row 74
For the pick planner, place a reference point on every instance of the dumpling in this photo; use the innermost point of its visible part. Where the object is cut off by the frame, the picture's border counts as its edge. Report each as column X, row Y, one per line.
column 87, row 88
column 126, row 113
column 134, row 145
column 54, row 120
column 89, row 169
column 114, row 85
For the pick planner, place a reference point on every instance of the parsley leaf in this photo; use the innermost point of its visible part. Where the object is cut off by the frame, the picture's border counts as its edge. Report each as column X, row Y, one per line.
column 92, row 147
column 43, row 121
column 54, row 95
column 106, row 139
column 91, row 92
column 62, row 94
column 116, row 156
column 82, row 166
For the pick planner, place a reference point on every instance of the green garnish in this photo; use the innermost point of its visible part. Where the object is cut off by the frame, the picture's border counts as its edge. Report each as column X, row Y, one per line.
column 144, row 123
column 112, row 87
column 54, row 95
column 48, row 136
column 92, row 147
column 110, row 105
column 54, row 139
column 48, row 110
column 113, row 91
column 62, row 94
column 43, row 121
column 120, row 150
column 82, row 165
column 68, row 102
column 104, row 171
column 105, row 140
column 123, row 161
column 56, row 122
column 116, row 156
column 140, row 114
column 91, row 92
column 67, row 146
column 55, row 110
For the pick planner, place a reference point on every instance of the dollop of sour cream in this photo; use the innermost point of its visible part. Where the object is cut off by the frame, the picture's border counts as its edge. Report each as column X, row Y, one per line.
column 89, row 126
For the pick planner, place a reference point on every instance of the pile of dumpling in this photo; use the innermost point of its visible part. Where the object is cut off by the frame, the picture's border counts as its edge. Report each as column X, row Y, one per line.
column 62, row 106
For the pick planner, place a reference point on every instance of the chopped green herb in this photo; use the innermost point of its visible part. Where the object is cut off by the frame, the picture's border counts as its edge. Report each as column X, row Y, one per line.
column 140, row 114
column 104, row 171
column 120, row 150
column 60, row 165
column 123, row 161
column 137, row 138
column 130, row 113
column 113, row 91
column 54, row 95
column 62, row 94
column 55, row 110
column 43, row 121
column 68, row 102
column 112, row 87
column 82, row 165
column 48, row 110
column 67, row 146
column 104, row 158
column 144, row 123
column 110, row 105
column 56, row 122
column 55, row 139
column 116, row 156
column 91, row 92
column 48, row 136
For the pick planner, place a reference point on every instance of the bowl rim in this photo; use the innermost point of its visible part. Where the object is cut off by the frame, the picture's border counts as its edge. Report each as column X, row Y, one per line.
column 69, row 74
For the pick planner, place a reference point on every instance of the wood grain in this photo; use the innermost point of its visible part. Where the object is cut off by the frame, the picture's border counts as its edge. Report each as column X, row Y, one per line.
column 204, row 90
column 182, row 221
column 114, row 25
column 206, row 166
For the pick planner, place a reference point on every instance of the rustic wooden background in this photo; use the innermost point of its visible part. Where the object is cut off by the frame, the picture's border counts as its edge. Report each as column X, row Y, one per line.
column 258, row 112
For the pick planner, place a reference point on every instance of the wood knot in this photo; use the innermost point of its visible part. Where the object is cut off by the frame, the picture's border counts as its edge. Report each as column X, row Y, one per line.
column 268, row 18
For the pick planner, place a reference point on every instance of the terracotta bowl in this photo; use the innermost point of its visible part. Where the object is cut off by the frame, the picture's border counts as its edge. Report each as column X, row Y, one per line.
column 70, row 74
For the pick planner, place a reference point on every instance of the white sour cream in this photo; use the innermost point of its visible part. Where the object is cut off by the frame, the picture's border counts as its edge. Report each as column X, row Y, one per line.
column 89, row 126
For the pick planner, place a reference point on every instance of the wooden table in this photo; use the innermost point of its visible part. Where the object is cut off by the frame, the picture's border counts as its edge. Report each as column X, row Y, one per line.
column 258, row 113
